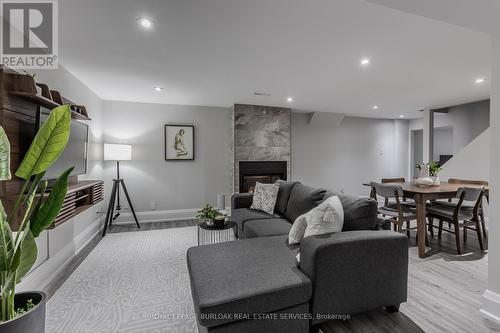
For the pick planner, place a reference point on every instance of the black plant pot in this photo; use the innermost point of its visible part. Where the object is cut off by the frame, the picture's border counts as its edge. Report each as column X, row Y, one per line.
column 219, row 223
column 32, row 321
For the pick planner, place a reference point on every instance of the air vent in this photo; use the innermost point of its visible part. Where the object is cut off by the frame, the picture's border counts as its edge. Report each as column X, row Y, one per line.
column 261, row 94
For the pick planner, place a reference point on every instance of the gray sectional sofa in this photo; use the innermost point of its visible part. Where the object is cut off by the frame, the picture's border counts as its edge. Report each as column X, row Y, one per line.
column 255, row 284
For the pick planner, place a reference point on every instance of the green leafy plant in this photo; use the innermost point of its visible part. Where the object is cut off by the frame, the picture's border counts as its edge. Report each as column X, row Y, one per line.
column 34, row 210
column 434, row 168
column 208, row 213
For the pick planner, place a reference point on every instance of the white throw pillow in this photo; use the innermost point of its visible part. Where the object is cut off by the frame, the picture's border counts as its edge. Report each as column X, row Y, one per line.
column 264, row 197
column 326, row 218
column 298, row 229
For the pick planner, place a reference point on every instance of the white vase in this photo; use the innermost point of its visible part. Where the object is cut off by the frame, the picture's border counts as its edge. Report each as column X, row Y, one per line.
column 424, row 171
column 435, row 181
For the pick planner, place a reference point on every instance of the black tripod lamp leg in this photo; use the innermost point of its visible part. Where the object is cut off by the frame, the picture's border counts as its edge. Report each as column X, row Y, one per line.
column 129, row 202
column 109, row 214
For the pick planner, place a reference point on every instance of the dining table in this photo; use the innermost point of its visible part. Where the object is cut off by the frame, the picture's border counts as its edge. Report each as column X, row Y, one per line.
column 422, row 195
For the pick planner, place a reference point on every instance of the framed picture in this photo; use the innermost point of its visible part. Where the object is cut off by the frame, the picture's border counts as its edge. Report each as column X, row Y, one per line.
column 179, row 142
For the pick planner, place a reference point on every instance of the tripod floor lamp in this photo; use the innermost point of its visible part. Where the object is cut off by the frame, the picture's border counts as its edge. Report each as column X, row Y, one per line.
column 117, row 152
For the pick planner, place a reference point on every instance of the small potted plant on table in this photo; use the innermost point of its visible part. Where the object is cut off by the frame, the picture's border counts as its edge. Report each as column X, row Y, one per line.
column 34, row 211
column 434, row 169
column 211, row 216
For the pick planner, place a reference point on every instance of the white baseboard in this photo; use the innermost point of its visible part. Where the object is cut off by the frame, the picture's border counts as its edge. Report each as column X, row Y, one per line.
column 491, row 307
column 158, row 215
column 42, row 276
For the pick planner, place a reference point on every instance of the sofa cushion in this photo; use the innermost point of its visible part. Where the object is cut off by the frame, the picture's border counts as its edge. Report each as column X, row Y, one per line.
column 268, row 227
column 283, row 196
column 249, row 276
column 264, row 197
column 241, row 215
column 303, row 198
column 359, row 213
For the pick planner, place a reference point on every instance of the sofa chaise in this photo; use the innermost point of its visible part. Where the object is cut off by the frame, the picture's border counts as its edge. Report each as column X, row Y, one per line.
column 255, row 284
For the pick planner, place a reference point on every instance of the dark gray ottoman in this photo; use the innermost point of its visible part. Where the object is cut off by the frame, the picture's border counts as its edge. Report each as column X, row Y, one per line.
column 249, row 286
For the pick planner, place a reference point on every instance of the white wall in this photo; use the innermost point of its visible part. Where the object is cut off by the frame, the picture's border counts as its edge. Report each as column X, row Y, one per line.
column 472, row 162
column 343, row 157
column 443, row 142
column 467, row 120
column 57, row 246
column 491, row 298
column 170, row 185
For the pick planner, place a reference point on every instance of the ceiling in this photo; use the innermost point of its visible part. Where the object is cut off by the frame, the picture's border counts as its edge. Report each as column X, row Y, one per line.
column 480, row 15
column 220, row 52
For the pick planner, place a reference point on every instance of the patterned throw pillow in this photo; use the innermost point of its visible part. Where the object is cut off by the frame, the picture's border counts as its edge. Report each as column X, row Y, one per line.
column 264, row 197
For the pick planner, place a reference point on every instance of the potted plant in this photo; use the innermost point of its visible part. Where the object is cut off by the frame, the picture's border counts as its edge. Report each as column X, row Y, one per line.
column 434, row 169
column 34, row 211
column 430, row 171
column 211, row 216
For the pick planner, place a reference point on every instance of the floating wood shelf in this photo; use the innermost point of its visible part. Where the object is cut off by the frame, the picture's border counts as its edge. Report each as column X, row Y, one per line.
column 37, row 99
column 80, row 197
column 47, row 103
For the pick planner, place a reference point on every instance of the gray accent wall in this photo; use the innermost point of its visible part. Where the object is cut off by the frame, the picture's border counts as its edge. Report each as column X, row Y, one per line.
column 261, row 133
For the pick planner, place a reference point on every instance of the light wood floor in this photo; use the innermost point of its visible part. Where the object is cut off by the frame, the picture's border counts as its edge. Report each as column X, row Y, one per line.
column 444, row 289
column 444, row 294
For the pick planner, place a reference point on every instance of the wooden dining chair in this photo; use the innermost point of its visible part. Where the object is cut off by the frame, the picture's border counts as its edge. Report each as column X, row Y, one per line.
column 398, row 213
column 469, row 205
column 459, row 215
column 405, row 201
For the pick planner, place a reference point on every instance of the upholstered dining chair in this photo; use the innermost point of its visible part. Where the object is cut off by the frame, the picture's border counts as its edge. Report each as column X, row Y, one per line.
column 459, row 214
column 397, row 212
column 405, row 201
column 470, row 206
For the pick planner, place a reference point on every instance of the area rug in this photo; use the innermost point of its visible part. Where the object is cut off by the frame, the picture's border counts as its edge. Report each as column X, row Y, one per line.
column 131, row 282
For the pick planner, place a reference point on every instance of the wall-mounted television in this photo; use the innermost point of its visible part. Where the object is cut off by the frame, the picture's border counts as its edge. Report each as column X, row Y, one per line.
column 75, row 153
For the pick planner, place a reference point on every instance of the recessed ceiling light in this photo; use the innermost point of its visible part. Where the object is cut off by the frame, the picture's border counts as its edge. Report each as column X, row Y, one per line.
column 480, row 80
column 145, row 22
column 158, row 89
column 401, row 116
column 289, row 99
column 365, row 62
column 375, row 107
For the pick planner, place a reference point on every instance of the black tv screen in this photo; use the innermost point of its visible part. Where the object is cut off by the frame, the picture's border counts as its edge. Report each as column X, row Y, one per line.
column 75, row 153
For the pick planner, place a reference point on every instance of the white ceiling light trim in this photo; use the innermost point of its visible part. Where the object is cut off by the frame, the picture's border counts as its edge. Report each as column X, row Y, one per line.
column 365, row 62
column 145, row 23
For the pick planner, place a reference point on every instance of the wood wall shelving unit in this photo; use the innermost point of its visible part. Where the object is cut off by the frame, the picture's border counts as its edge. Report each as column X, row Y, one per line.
column 80, row 197
column 18, row 117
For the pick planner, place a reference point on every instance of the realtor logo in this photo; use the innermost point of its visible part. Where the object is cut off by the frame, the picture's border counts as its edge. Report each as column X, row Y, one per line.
column 29, row 34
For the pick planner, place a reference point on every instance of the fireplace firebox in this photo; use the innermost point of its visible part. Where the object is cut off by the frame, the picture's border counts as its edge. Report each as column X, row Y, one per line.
column 251, row 172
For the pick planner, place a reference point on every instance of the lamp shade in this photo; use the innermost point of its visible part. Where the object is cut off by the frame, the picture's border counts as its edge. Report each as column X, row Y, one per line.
column 117, row 152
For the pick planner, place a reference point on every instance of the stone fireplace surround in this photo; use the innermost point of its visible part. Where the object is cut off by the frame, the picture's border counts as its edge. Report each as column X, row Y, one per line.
column 261, row 133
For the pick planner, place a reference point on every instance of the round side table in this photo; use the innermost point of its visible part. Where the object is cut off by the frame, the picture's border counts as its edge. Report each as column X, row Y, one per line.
column 212, row 235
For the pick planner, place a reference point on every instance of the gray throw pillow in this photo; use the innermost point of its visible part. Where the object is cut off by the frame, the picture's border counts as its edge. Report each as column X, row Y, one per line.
column 264, row 197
